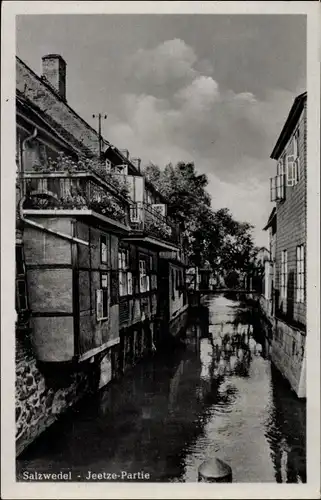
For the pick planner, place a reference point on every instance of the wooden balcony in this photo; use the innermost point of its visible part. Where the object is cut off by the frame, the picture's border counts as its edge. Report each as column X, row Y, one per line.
column 149, row 224
column 74, row 191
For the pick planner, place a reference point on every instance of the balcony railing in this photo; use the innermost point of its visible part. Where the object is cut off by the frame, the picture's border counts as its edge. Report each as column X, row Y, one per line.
column 150, row 222
column 77, row 190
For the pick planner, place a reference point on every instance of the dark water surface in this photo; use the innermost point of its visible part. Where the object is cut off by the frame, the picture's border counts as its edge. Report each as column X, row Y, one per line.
column 216, row 395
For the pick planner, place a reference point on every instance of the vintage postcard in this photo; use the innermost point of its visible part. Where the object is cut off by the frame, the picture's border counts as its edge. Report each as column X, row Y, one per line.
column 160, row 249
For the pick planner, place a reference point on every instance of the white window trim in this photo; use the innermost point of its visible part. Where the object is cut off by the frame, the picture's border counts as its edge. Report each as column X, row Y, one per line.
column 284, row 274
column 291, row 171
column 300, row 274
column 144, row 284
column 99, row 304
column 124, row 275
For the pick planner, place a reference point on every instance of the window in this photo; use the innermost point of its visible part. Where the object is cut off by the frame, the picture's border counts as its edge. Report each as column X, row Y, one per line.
column 280, row 166
column 300, row 273
column 291, row 170
column 277, row 188
column 102, row 298
column 284, row 273
column 21, row 296
column 125, row 276
column 103, row 249
column 20, row 268
column 143, row 277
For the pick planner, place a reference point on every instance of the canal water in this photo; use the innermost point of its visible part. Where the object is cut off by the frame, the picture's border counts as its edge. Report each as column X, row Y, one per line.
column 216, row 394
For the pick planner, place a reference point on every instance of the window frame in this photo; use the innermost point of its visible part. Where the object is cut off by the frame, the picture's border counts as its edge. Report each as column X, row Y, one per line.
column 19, row 307
column 103, row 236
column 102, row 298
column 300, row 274
column 143, row 276
column 291, row 166
column 125, row 276
column 284, row 274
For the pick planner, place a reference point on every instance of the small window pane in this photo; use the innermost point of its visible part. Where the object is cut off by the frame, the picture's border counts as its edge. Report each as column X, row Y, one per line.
column 103, row 249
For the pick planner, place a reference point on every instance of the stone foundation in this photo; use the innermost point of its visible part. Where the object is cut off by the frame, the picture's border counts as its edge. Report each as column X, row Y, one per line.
column 286, row 349
column 288, row 355
column 43, row 393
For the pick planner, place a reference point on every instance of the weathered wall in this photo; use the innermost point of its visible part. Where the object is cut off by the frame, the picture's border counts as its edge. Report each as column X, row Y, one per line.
column 95, row 333
column 288, row 355
column 286, row 347
column 39, row 400
column 49, row 284
column 291, row 228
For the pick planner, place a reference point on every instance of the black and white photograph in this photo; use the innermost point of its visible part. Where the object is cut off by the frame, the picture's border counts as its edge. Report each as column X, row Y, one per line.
column 161, row 248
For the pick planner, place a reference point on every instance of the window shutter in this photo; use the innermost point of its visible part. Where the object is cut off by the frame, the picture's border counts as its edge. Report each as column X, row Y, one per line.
column 99, row 304
column 290, row 171
column 280, row 187
column 130, row 283
column 273, row 188
column 280, row 166
column 297, row 169
column 114, row 287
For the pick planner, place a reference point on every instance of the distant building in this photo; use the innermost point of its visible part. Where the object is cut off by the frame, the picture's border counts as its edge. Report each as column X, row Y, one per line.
column 285, row 277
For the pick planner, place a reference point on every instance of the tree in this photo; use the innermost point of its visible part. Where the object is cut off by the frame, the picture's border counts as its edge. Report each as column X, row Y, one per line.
column 214, row 239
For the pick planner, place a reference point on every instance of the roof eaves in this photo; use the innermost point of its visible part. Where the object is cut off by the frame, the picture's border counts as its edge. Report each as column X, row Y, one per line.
column 289, row 125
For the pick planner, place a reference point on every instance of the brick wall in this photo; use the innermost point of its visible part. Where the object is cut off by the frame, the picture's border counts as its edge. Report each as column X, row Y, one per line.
column 291, row 229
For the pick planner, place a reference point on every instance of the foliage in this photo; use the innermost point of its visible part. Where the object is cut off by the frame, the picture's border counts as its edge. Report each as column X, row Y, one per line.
column 64, row 163
column 105, row 205
column 214, row 239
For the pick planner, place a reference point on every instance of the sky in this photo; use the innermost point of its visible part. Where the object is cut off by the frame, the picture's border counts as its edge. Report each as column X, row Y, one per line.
column 212, row 89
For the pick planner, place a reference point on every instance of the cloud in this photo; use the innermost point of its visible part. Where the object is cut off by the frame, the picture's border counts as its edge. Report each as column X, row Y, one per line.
column 228, row 135
column 170, row 60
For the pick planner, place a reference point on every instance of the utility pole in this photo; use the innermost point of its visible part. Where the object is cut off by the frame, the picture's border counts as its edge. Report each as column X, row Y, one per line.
column 100, row 117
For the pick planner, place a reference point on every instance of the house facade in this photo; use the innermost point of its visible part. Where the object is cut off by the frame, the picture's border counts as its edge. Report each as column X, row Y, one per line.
column 94, row 247
column 285, row 293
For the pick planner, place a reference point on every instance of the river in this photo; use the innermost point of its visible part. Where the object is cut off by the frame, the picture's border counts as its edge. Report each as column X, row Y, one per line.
column 217, row 394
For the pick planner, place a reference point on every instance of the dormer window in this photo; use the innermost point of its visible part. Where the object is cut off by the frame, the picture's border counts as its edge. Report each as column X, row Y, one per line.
column 121, row 169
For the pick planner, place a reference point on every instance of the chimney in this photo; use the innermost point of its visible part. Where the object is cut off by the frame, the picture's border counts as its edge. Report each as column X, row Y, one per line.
column 54, row 72
column 136, row 162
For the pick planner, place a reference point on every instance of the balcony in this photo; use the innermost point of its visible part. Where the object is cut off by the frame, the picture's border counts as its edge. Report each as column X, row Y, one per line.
column 147, row 223
column 79, row 191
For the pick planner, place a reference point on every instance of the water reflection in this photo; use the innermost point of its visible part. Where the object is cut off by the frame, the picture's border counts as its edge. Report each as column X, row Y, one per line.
column 214, row 394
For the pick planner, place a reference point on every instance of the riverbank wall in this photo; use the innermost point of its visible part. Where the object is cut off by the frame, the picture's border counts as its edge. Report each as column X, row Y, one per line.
column 287, row 349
